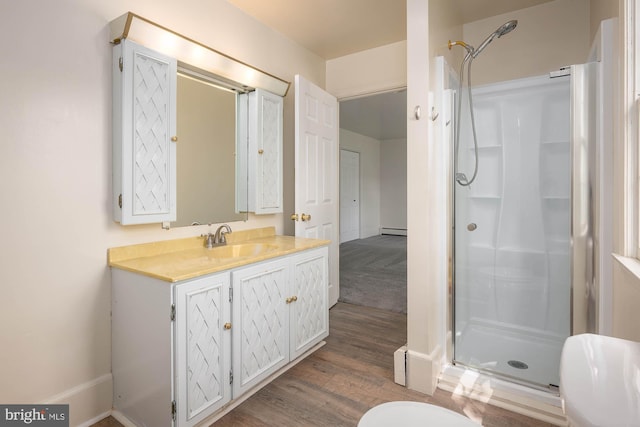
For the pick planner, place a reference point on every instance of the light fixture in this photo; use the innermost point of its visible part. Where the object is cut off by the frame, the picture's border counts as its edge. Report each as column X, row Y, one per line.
column 192, row 54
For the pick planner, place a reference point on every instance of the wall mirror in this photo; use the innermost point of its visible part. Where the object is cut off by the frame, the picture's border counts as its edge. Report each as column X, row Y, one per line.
column 206, row 153
column 208, row 179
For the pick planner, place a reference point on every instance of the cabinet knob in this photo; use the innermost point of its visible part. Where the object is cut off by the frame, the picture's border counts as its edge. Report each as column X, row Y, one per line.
column 294, row 298
column 305, row 217
column 288, row 300
column 227, row 325
column 294, row 217
column 174, row 138
column 260, row 151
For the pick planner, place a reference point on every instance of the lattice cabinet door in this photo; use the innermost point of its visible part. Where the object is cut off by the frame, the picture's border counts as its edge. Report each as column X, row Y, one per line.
column 144, row 135
column 265, row 147
column 202, row 339
column 309, row 317
column 260, row 323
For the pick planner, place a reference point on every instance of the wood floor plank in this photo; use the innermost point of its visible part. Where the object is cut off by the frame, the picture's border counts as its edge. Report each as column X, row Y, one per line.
column 338, row 383
column 352, row 373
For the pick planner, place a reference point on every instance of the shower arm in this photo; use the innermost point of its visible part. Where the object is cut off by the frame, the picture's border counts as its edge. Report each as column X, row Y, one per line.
column 468, row 47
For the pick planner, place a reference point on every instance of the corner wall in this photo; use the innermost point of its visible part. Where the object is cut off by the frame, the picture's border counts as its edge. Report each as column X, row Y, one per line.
column 548, row 36
column 55, row 175
column 381, row 69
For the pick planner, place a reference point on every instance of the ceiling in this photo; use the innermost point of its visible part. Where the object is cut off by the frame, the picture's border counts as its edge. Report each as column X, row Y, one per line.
column 334, row 28
column 381, row 116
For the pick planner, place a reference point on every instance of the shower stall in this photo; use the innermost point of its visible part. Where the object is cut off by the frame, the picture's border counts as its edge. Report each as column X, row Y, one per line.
column 522, row 220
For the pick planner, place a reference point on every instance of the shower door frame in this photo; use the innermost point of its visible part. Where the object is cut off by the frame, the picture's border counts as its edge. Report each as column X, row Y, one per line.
column 583, row 309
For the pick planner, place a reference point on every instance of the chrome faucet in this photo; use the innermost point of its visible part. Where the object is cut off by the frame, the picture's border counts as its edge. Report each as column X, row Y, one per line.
column 219, row 238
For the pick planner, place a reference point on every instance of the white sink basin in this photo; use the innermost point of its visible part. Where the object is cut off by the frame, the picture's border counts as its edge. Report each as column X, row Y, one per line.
column 600, row 381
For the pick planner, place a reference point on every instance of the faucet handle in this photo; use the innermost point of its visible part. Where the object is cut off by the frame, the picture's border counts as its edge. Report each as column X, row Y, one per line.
column 208, row 240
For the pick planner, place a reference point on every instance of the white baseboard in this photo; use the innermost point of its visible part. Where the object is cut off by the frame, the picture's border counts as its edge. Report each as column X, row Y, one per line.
column 423, row 370
column 88, row 402
column 393, row 231
column 400, row 366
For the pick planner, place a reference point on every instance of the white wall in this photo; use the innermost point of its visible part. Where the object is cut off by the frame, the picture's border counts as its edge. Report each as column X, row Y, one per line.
column 380, row 69
column 599, row 10
column 369, row 150
column 547, row 37
column 55, row 180
column 393, row 183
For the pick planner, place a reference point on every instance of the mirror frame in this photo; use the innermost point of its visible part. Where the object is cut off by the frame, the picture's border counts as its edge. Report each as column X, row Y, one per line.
column 191, row 53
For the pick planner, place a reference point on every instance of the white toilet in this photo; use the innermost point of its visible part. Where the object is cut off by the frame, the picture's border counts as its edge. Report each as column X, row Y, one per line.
column 600, row 381
column 412, row 414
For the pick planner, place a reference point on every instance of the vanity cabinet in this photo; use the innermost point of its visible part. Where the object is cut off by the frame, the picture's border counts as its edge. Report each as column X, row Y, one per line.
column 182, row 351
column 265, row 152
column 171, row 357
column 279, row 312
column 144, row 135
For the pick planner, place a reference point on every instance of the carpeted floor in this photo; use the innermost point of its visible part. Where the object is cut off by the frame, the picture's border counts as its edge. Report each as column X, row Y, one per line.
column 373, row 272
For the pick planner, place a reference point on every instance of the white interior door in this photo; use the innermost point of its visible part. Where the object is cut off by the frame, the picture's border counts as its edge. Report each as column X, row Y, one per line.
column 316, row 165
column 349, row 195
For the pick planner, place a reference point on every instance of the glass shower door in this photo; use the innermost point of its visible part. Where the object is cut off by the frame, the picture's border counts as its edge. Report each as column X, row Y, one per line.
column 513, row 231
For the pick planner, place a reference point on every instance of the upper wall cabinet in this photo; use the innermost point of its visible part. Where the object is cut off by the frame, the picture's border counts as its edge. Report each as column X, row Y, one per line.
column 144, row 129
column 265, row 152
column 147, row 60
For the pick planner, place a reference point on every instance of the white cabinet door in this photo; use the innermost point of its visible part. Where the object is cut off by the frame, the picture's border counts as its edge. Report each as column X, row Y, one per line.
column 203, row 347
column 260, row 323
column 144, row 126
column 309, row 317
column 265, row 147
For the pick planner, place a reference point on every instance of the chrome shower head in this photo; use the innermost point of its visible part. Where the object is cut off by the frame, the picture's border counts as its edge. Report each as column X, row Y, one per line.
column 504, row 29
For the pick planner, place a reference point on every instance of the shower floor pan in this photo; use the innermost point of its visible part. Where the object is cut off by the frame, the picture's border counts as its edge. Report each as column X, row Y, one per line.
column 521, row 354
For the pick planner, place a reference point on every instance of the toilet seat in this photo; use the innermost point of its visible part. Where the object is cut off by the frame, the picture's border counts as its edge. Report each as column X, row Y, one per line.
column 413, row 414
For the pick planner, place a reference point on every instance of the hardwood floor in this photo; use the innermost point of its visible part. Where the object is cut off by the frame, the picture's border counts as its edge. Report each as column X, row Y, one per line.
column 352, row 373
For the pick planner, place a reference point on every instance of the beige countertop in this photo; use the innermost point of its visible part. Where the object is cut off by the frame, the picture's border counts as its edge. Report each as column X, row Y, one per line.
column 181, row 259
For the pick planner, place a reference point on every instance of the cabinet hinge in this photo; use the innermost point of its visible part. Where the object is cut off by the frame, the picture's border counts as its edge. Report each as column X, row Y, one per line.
column 230, row 294
column 120, row 201
column 231, row 376
column 174, row 409
column 120, row 64
column 173, row 312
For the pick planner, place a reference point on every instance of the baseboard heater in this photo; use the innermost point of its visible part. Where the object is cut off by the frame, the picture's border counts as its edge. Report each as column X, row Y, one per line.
column 393, row 231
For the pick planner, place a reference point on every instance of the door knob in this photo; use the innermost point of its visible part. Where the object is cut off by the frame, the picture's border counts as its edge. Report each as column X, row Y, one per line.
column 305, row 217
